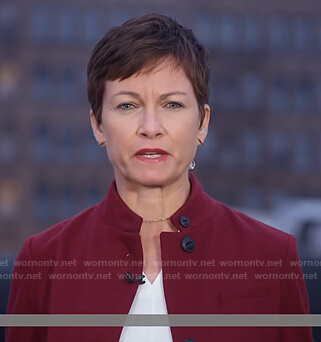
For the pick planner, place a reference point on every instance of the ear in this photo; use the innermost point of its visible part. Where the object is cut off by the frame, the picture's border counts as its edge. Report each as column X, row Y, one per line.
column 99, row 136
column 202, row 132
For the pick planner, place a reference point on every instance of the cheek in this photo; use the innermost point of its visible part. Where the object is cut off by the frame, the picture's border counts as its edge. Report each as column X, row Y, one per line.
column 187, row 139
column 119, row 141
column 113, row 140
column 115, row 133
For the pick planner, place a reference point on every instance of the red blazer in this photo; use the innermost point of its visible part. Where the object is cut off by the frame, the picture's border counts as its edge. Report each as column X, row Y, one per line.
column 211, row 266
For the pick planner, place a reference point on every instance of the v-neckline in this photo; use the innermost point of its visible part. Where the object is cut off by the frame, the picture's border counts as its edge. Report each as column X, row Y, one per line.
column 156, row 279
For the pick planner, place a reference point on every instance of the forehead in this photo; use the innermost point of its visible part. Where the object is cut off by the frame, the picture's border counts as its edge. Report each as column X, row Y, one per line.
column 164, row 76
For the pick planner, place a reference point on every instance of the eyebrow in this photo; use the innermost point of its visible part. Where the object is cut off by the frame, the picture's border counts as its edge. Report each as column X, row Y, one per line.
column 131, row 93
column 162, row 97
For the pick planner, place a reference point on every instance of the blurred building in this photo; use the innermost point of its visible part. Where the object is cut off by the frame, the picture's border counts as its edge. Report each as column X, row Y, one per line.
column 264, row 143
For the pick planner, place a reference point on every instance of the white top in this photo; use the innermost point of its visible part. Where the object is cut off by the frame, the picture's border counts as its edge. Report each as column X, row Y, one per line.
column 149, row 299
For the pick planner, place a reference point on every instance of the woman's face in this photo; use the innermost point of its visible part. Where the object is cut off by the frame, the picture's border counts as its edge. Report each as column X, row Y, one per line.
column 150, row 124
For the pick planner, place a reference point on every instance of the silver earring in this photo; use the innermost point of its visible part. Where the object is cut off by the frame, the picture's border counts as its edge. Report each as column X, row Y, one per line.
column 192, row 165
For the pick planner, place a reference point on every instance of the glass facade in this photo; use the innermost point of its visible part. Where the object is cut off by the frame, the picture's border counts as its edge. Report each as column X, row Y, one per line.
column 253, row 32
column 42, row 23
column 41, row 143
column 252, row 148
column 279, row 97
column 303, row 97
column 265, row 96
column 8, row 22
column 8, row 144
column 303, row 152
column 304, row 41
column 42, row 88
column 279, row 149
column 252, row 89
column 41, row 201
column 230, row 29
column 279, row 33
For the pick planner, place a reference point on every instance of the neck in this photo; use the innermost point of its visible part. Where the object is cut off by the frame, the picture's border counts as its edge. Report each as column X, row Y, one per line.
column 154, row 202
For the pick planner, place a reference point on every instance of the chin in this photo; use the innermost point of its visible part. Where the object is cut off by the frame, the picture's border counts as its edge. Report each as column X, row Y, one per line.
column 152, row 180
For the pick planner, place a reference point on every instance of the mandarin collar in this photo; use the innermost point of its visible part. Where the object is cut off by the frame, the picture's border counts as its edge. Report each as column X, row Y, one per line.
column 197, row 209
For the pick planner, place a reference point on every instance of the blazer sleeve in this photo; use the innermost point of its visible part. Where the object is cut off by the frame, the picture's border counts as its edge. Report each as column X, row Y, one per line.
column 294, row 296
column 23, row 296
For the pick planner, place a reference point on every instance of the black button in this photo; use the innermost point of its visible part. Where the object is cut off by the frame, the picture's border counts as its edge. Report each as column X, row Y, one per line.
column 188, row 244
column 184, row 221
column 190, row 340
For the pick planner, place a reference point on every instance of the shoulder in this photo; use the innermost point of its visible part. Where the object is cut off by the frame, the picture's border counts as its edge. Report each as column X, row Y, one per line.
column 61, row 235
column 252, row 236
column 248, row 225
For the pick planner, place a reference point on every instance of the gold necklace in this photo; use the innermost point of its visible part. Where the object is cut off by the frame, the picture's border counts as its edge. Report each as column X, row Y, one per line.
column 157, row 220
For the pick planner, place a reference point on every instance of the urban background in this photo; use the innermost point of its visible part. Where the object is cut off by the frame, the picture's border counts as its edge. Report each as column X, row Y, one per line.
column 263, row 151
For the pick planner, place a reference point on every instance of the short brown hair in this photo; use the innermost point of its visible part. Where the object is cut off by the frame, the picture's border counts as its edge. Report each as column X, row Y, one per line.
column 139, row 44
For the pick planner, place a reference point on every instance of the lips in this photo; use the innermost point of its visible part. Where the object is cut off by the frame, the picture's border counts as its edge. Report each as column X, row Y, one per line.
column 151, row 154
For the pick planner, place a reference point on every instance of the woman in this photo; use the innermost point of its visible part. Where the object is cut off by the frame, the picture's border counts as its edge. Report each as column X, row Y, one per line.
column 162, row 244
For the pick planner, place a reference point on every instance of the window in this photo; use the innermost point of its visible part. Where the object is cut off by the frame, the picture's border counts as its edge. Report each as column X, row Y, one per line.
column 228, row 94
column 279, row 33
column 8, row 22
column 40, row 147
column 318, row 92
column 318, row 31
column 253, row 32
column 229, row 31
column 81, row 85
column 251, row 85
column 303, row 98
column 93, row 195
column 228, row 152
column 252, row 197
column 41, row 203
column 303, row 152
column 228, row 158
column 119, row 16
column 67, row 202
column 92, row 25
column 252, row 148
column 41, row 84
column 207, row 29
column 91, row 152
column 230, row 195
column 303, row 35
column 279, row 99
column 67, row 144
column 41, row 23
column 277, row 197
column 68, row 87
column 310, row 238
column 279, row 149
column 67, row 24
column 8, row 144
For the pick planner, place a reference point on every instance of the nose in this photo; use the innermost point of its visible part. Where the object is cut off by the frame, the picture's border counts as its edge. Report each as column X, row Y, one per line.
column 150, row 125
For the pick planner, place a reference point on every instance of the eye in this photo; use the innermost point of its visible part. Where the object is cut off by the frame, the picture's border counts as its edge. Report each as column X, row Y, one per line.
column 126, row 106
column 174, row 105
